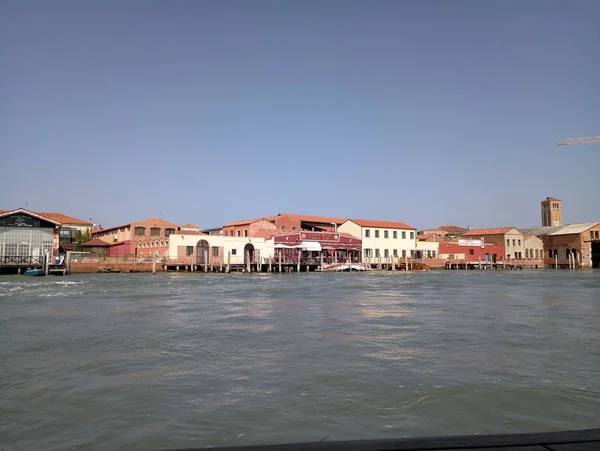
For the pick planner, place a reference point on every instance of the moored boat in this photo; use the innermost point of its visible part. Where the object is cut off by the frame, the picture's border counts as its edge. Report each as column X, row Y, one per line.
column 35, row 272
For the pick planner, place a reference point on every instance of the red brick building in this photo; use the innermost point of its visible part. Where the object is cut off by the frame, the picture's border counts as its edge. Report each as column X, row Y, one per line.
column 283, row 222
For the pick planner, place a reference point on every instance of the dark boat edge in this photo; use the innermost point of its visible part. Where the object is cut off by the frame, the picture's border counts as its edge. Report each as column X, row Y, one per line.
column 576, row 440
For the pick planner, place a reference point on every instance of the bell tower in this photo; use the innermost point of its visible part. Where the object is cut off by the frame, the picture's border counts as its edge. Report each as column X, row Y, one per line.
column 552, row 212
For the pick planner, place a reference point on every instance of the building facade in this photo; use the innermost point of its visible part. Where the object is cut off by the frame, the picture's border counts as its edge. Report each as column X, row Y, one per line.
column 213, row 250
column 534, row 247
column 471, row 251
column 26, row 237
column 509, row 237
column 315, row 247
column 381, row 239
column 571, row 243
column 284, row 223
column 140, row 239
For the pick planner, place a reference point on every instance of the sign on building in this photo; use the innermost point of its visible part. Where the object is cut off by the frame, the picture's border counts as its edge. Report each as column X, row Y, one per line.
column 471, row 243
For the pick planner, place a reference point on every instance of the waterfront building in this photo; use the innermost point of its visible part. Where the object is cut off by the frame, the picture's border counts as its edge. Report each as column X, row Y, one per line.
column 534, row 247
column 26, row 236
column 509, row 237
column 196, row 248
column 315, row 247
column 471, row 250
column 381, row 239
column 570, row 244
column 139, row 239
column 283, row 222
column 428, row 249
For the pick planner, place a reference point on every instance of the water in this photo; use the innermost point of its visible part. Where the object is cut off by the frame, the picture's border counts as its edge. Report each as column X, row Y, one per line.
column 132, row 361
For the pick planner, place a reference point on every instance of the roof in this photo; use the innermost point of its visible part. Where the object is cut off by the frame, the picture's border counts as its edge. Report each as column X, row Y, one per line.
column 30, row 213
column 189, row 232
column 569, row 229
column 64, row 219
column 95, row 243
column 496, row 231
column 249, row 221
column 319, row 219
column 381, row 224
column 451, row 228
column 189, row 226
column 553, row 198
column 108, row 229
column 59, row 218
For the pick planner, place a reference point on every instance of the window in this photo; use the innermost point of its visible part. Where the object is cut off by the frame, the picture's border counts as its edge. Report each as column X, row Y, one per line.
column 591, row 234
column 288, row 252
column 395, row 234
column 597, row 234
column 412, row 235
column 162, row 244
column 155, row 231
column 530, row 253
column 140, row 231
column 386, row 253
column 215, row 251
column 231, row 233
column 368, row 252
column 403, row 251
column 377, row 253
column 245, row 232
column 376, row 233
column 189, row 250
column 169, row 232
column 367, row 233
column 433, row 254
column 386, row 234
column 507, row 255
column 567, row 252
column 537, row 254
column 471, row 252
column 514, row 242
column 233, row 251
column 526, row 253
column 519, row 242
column 239, row 233
column 395, row 251
column 293, row 227
column 283, row 228
column 403, row 235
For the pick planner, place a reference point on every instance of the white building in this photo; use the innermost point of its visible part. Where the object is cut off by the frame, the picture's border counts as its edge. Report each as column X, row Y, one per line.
column 382, row 239
column 197, row 248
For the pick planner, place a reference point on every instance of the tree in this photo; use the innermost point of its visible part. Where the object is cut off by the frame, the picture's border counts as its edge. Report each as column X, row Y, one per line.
column 83, row 236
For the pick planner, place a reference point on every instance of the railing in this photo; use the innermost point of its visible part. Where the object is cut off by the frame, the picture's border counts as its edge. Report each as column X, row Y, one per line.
column 21, row 260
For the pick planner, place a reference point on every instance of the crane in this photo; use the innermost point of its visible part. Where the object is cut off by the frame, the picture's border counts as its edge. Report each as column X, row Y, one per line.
column 590, row 140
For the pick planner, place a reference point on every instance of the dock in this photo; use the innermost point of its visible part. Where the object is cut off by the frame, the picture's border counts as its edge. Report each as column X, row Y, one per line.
column 581, row 440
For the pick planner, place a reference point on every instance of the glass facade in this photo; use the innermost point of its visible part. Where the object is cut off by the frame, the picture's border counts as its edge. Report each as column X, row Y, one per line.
column 25, row 241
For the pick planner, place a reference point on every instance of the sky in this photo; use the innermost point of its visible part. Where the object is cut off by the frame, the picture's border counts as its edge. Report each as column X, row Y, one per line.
column 205, row 112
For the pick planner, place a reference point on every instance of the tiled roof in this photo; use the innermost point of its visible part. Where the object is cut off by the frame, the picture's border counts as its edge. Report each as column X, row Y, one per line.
column 249, row 221
column 571, row 229
column 95, row 243
column 64, row 219
column 189, row 232
column 496, row 231
column 381, row 224
column 55, row 217
column 319, row 219
column 553, row 198
column 451, row 228
column 189, row 226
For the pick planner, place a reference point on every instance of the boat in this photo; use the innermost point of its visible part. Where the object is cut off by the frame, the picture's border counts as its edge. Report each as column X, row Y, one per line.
column 35, row 272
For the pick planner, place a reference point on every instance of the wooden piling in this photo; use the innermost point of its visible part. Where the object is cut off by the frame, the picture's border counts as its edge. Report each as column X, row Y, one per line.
column 228, row 262
column 154, row 264
column 248, row 267
column 270, row 264
column 280, row 253
column 299, row 255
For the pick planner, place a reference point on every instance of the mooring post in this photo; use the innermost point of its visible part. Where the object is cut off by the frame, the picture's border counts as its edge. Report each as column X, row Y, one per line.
column 228, row 262
column 154, row 263
column 280, row 255
column 299, row 255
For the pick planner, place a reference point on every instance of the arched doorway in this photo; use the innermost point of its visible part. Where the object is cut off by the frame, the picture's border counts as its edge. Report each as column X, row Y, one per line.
column 202, row 252
column 248, row 253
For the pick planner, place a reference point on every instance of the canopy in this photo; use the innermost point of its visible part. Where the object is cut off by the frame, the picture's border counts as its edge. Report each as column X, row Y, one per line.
column 311, row 246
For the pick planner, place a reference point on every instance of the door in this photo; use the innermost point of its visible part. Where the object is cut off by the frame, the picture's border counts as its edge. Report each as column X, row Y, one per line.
column 202, row 252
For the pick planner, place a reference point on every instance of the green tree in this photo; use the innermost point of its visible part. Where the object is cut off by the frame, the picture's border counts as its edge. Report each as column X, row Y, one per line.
column 83, row 236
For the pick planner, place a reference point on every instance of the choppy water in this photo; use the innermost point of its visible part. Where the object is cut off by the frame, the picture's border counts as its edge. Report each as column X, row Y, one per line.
column 120, row 361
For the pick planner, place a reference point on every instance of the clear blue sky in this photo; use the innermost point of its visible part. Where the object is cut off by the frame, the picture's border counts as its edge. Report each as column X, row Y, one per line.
column 427, row 112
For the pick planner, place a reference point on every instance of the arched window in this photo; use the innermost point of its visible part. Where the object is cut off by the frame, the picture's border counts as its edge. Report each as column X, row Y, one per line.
column 526, row 253
column 530, row 253
column 549, row 253
column 537, row 254
column 555, row 252
column 567, row 252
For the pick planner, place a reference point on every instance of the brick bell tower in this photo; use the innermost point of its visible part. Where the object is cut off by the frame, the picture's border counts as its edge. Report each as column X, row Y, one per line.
column 552, row 212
